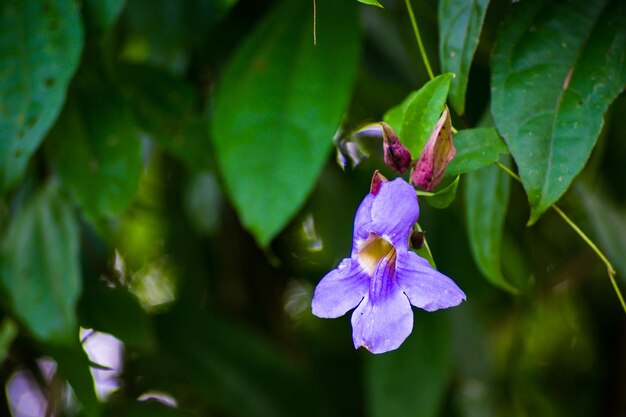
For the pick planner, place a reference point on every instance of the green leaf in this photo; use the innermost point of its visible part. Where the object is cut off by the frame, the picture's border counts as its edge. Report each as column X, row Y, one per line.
column 74, row 367
column 460, row 23
column 40, row 268
column 96, row 150
column 609, row 225
column 169, row 114
column 444, row 197
column 117, row 312
column 371, row 2
column 415, row 118
column 411, row 381
column 279, row 104
column 40, row 46
column 101, row 14
column 486, row 201
column 475, row 148
column 556, row 69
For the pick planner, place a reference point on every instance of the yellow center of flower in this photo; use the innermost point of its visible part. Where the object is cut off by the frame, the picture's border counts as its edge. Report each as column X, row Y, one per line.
column 373, row 250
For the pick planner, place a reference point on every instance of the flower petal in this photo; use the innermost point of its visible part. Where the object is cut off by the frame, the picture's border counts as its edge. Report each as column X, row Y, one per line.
column 363, row 220
column 340, row 290
column 426, row 287
column 382, row 326
column 394, row 211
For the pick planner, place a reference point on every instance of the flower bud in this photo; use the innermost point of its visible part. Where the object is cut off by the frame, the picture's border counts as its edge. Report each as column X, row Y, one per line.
column 417, row 239
column 397, row 156
column 377, row 181
column 436, row 155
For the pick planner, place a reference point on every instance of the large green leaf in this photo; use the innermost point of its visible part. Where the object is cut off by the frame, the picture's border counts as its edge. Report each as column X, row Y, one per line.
column 475, row 148
column 279, row 103
column 486, row 201
column 460, row 23
column 40, row 268
column 40, row 46
column 169, row 114
column 415, row 118
column 95, row 148
column 411, row 381
column 556, row 68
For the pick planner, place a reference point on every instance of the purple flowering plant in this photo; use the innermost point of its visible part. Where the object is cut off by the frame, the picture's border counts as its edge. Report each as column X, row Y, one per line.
column 382, row 278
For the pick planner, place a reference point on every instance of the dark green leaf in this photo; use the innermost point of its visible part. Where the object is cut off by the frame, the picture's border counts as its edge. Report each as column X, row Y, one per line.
column 74, row 367
column 556, row 69
column 101, row 14
column 96, row 150
column 238, row 371
column 444, row 197
column 40, row 268
column 460, row 23
column 169, row 114
column 486, row 201
column 475, row 148
column 40, row 46
column 411, row 381
column 415, row 118
column 279, row 103
column 117, row 312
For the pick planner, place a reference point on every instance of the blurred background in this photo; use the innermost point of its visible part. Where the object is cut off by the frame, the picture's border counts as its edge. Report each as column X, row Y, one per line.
column 177, row 310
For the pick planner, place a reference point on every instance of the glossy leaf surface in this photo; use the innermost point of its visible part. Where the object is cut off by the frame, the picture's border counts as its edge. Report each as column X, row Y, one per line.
column 460, row 24
column 475, row 148
column 550, row 91
column 97, row 134
column 414, row 118
column 279, row 103
column 40, row 267
column 486, row 200
column 37, row 66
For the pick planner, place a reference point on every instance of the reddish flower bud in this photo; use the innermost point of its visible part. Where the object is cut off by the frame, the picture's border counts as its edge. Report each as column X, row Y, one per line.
column 436, row 155
column 397, row 156
column 417, row 239
column 377, row 181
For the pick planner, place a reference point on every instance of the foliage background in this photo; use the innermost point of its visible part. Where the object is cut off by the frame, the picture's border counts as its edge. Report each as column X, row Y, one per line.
column 168, row 177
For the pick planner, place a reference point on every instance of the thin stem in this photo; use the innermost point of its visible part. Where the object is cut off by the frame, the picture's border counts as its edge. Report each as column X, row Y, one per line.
column 315, row 22
column 508, row 171
column 418, row 37
column 583, row 236
column 594, row 247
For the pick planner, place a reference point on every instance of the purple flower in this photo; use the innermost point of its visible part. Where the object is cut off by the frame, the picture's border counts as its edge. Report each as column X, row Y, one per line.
column 382, row 278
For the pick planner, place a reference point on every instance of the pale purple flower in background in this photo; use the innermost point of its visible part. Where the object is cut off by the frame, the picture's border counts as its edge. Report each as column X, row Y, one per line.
column 382, row 278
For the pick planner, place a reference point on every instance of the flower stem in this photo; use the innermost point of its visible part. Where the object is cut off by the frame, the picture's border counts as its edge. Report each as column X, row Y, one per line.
column 610, row 270
column 418, row 37
column 314, row 22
